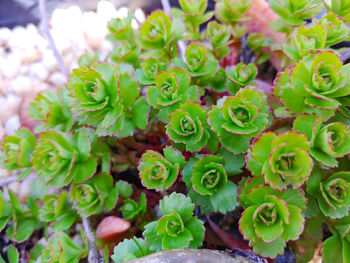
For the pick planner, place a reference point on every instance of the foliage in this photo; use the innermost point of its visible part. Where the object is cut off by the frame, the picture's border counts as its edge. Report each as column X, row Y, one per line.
column 94, row 195
column 270, row 217
column 179, row 123
column 62, row 249
column 177, row 228
column 237, row 119
column 160, row 172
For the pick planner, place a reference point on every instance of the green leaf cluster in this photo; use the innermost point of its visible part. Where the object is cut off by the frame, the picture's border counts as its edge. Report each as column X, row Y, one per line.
column 177, row 228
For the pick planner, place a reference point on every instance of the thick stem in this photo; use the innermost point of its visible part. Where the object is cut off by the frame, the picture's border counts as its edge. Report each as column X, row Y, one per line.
column 93, row 253
column 7, row 180
column 45, row 25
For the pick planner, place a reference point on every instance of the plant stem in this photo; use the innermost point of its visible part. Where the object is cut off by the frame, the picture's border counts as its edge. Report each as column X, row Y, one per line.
column 45, row 25
column 6, row 180
column 93, row 253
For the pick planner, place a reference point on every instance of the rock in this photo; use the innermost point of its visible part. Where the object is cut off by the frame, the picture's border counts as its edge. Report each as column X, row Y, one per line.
column 19, row 38
column 106, row 10
column 9, row 106
column 40, row 71
column 10, row 66
column 140, row 15
column 4, row 173
column 111, row 227
column 57, row 79
column 24, row 189
column 21, row 85
column 196, row 256
column 5, row 34
column 2, row 136
column 12, row 124
column 14, row 187
column 49, row 60
column 94, row 28
column 30, row 55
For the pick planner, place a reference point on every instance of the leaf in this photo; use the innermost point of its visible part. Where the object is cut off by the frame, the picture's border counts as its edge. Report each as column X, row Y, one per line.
column 178, row 203
column 64, row 222
column 151, row 235
column 124, row 189
column 130, row 249
column 140, row 113
column 84, row 170
column 296, row 224
column 174, row 156
column 111, row 199
column 39, row 188
column 225, row 199
column 182, row 240
column 129, row 89
column 197, row 229
column 233, row 163
column 271, row 249
column 12, row 254
column 330, row 250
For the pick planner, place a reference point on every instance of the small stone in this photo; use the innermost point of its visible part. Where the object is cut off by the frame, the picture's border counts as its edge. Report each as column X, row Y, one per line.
column 57, row 79
column 140, row 15
column 10, row 66
column 14, row 187
column 30, row 55
column 24, row 190
column 19, row 38
column 111, row 227
column 4, row 173
column 94, row 28
column 21, row 85
column 38, row 70
column 2, row 136
column 9, row 106
column 49, row 60
column 12, row 124
column 5, row 34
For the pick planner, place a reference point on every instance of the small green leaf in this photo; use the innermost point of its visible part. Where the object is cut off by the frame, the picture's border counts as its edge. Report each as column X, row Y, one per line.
column 130, row 249
column 12, row 254
column 124, row 189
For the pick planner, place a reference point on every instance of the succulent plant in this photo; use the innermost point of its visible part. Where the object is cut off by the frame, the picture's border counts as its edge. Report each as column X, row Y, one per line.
column 240, row 76
column 188, row 126
column 59, row 159
column 328, row 142
column 177, row 228
column 271, row 217
column 282, row 160
column 158, row 171
column 237, row 119
column 318, row 84
column 94, row 195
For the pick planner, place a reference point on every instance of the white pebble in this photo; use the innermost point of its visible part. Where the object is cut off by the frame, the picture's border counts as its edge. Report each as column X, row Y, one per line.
column 14, row 187
column 12, row 124
column 4, row 173
column 40, row 71
column 10, row 66
column 9, row 106
column 57, row 79
column 49, row 60
column 94, row 28
column 21, row 85
column 140, row 15
column 24, row 190
column 106, row 10
column 2, row 136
